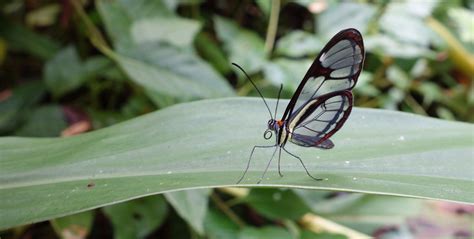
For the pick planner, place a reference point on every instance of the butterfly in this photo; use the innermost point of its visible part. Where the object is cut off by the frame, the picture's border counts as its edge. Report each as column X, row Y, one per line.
column 322, row 102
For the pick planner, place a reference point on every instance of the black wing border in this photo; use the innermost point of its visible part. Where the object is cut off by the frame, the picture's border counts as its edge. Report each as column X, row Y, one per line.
column 316, row 69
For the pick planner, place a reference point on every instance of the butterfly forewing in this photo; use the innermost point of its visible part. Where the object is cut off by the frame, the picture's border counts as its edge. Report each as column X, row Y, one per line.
column 323, row 100
column 335, row 69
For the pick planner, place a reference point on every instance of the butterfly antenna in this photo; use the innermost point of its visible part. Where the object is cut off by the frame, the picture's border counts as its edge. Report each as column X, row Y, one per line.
column 278, row 100
column 255, row 86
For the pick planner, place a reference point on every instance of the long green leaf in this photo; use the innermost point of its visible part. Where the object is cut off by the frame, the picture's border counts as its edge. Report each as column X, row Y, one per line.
column 206, row 144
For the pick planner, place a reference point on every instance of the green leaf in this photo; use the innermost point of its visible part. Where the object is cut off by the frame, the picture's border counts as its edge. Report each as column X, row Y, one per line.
column 74, row 226
column 298, row 43
column 327, row 202
column 415, row 39
column 365, row 86
column 137, row 218
column 286, row 71
column 415, row 31
column 208, row 49
column 176, row 227
column 43, row 16
column 277, row 204
column 398, row 77
column 265, row 6
column 172, row 72
column 100, row 66
column 264, row 232
column 14, row 108
column 371, row 212
column 191, row 205
column 176, row 31
column 387, row 45
column 244, row 47
column 217, row 225
column 462, row 18
column 362, row 212
column 44, row 121
column 305, row 234
column 64, row 72
column 126, row 21
column 169, row 74
column 140, row 9
column 335, row 19
column 207, row 143
column 22, row 39
column 117, row 22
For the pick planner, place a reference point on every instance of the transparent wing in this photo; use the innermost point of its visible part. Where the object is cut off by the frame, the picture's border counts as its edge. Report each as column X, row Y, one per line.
column 335, row 69
column 320, row 119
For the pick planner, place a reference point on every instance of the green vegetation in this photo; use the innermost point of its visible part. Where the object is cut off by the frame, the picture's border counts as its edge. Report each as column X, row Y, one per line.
column 152, row 81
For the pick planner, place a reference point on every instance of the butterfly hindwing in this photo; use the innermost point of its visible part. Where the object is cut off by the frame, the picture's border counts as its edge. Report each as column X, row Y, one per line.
column 320, row 119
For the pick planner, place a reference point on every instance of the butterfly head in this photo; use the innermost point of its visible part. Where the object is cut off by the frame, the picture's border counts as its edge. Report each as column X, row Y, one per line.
column 273, row 126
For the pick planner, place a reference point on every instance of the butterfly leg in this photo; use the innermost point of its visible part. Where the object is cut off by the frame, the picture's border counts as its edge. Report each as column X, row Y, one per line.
column 268, row 165
column 301, row 161
column 279, row 156
column 250, row 158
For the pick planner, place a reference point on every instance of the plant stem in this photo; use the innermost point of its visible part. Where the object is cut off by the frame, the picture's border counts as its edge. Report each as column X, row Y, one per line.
column 461, row 57
column 93, row 33
column 417, row 108
column 319, row 224
column 292, row 227
column 226, row 210
column 237, row 193
column 272, row 27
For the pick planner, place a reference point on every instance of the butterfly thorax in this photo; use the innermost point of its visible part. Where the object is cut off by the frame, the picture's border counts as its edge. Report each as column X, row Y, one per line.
column 279, row 127
column 275, row 125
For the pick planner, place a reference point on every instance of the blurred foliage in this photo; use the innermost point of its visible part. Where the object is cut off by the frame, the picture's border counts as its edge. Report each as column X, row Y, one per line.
column 72, row 66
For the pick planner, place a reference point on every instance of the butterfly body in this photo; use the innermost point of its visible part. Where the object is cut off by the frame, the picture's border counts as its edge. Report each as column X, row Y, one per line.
column 279, row 128
column 322, row 102
column 284, row 131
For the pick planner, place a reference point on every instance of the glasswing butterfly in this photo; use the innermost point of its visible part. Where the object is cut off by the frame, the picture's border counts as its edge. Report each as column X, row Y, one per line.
column 322, row 102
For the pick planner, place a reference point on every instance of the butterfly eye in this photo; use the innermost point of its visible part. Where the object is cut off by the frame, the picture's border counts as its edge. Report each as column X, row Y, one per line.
column 271, row 124
column 268, row 134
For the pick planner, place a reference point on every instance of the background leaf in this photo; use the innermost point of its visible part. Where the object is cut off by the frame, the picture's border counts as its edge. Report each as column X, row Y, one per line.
column 64, row 72
column 287, row 72
column 137, row 218
column 74, row 226
column 299, row 43
column 217, row 226
column 191, row 205
column 44, row 121
column 364, row 212
column 277, row 203
column 14, row 108
column 169, row 71
column 330, row 21
column 265, row 232
column 176, row 31
column 243, row 47
column 22, row 39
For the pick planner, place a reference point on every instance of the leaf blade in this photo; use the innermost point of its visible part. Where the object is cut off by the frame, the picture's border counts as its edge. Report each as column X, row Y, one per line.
column 165, row 151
